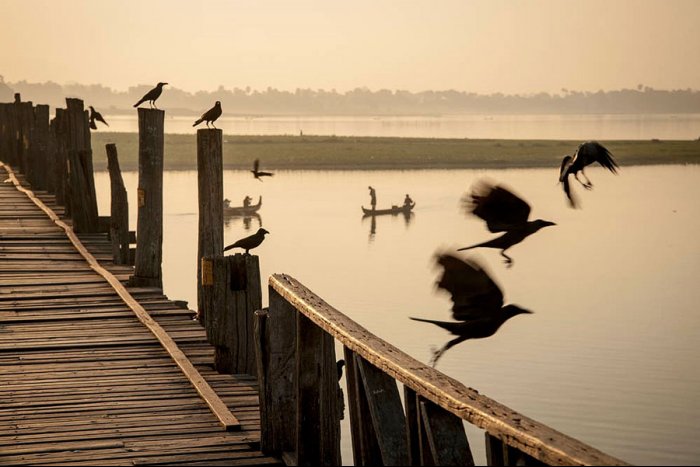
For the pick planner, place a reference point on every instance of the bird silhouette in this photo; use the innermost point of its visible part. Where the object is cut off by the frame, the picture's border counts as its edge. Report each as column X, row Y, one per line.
column 250, row 242
column 96, row 116
column 210, row 115
column 257, row 173
column 477, row 303
column 503, row 212
column 586, row 154
column 151, row 96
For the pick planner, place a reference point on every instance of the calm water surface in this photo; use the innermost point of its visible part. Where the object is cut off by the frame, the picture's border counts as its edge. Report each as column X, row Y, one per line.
column 601, row 126
column 610, row 355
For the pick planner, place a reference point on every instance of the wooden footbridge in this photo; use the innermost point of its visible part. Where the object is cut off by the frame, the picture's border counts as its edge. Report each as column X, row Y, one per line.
column 98, row 367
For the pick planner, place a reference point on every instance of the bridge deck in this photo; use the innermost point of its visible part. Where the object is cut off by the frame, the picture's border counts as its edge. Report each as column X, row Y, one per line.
column 82, row 381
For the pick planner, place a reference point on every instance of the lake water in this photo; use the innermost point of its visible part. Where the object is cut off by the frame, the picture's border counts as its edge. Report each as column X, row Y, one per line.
column 545, row 126
column 608, row 357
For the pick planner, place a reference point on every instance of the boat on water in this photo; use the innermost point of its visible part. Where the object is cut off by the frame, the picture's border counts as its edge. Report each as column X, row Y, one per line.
column 241, row 210
column 394, row 210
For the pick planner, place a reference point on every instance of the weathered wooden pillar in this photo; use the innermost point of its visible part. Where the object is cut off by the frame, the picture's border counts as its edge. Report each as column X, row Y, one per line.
column 316, row 382
column 8, row 136
column 41, row 162
column 25, row 128
column 231, row 293
column 210, row 181
column 81, row 177
column 276, row 370
column 58, row 179
column 149, row 227
column 119, row 213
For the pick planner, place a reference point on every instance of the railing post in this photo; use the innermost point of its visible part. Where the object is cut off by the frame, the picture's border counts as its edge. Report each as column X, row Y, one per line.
column 25, row 127
column 149, row 229
column 119, row 212
column 210, row 182
column 231, row 293
column 277, row 367
column 317, row 420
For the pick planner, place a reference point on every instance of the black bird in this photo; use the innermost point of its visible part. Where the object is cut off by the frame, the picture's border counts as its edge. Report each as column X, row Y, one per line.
column 96, row 116
column 477, row 303
column 339, row 366
column 503, row 212
column 257, row 173
column 250, row 242
column 151, row 96
column 586, row 154
column 210, row 115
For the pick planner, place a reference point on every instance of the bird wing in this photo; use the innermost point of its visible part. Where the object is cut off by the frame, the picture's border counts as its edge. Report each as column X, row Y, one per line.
column 474, row 293
column 593, row 151
column 573, row 202
column 564, row 169
column 499, row 207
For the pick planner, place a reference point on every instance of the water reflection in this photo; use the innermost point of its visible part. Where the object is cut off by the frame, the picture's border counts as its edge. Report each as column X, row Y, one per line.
column 246, row 219
column 367, row 214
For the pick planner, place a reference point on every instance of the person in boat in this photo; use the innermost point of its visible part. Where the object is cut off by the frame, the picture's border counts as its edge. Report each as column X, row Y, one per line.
column 407, row 201
column 246, row 201
column 373, row 198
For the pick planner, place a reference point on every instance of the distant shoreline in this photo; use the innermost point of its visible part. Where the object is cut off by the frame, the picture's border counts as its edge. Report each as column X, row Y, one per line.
column 388, row 153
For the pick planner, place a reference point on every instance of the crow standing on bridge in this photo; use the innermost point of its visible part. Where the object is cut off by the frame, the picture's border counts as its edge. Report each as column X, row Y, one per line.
column 257, row 173
column 210, row 115
column 477, row 303
column 96, row 116
column 586, row 154
column 503, row 212
column 250, row 242
column 151, row 96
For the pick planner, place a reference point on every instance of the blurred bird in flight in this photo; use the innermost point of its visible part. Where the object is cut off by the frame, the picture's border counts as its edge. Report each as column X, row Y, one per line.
column 586, row 154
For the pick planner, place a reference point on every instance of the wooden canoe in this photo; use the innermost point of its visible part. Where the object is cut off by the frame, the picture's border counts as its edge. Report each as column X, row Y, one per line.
column 394, row 210
column 242, row 210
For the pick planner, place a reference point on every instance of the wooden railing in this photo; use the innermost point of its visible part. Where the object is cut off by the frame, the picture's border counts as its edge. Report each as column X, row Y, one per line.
column 300, row 407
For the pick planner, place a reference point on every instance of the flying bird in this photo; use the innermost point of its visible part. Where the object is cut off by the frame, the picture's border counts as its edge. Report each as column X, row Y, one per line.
column 96, row 116
column 151, row 96
column 250, row 242
column 257, row 173
column 586, row 154
column 210, row 115
column 503, row 212
column 477, row 303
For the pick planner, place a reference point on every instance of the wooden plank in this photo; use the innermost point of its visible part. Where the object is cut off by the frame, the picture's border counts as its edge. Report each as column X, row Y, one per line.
column 446, row 436
column 227, row 419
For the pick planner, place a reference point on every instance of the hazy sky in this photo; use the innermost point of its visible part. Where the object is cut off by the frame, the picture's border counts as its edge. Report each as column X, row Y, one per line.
column 468, row 45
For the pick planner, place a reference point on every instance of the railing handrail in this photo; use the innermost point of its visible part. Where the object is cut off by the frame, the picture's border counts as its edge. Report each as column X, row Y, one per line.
column 517, row 430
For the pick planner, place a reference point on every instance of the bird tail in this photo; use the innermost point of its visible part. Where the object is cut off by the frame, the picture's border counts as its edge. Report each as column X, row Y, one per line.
column 569, row 194
column 450, row 326
column 140, row 102
column 198, row 122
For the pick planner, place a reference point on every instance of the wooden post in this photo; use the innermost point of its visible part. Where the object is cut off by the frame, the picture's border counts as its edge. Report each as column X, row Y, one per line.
column 25, row 129
column 41, row 162
column 210, row 178
column 119, row 213
column 231, row 293
column 262, row 360
column 81, row 176
column 59, row 146
column 316, row 396
column 278, row 421
column 149, row 227
column 8, row 134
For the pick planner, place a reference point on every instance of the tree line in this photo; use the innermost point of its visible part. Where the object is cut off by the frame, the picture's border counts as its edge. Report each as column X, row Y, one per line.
column 363, row 101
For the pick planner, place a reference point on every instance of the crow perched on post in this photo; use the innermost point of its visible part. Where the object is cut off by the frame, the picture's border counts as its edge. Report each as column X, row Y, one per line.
column 96, row 116
column 586, row 154
column 210, row 115
column 477, row 303
column 503, row 212
column 250, row 242
column 151, row 96
column 257, row 173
